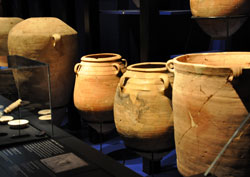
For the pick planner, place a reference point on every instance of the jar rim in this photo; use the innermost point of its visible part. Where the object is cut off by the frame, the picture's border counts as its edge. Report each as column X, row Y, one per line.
column 189, row 59
column 101, row 57
column 148, row 67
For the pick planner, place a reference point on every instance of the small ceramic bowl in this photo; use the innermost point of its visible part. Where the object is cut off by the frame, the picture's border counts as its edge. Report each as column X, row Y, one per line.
column 5, row 119
column 18, row 123
column 45, row 117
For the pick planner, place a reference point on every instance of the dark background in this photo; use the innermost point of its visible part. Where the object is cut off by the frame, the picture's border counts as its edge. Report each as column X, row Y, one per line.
column 144, row 36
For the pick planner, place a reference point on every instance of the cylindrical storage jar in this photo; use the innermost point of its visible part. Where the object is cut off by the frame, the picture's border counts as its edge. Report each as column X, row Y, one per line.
column 143, row 108
column 49, row 40
column 97, row 76
column 220, row 18
column 7, row 86
column 6, row 24
column 208, row 110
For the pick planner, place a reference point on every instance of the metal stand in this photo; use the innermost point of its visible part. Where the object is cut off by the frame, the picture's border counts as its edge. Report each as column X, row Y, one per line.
column 19, row 135
column 150, row 166
column 227, row 25
column 152, row 161
column 100, row 136
column 99, row 132
column 95, row 135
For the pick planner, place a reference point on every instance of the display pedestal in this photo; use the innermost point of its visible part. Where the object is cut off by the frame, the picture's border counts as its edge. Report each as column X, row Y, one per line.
column 151, row 166
column 100, row 132
column 220, row 29
column 152, row 161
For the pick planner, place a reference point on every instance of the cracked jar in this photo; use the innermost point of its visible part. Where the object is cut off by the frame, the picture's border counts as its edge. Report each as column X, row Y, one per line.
column 208, row 95
column 142, row 107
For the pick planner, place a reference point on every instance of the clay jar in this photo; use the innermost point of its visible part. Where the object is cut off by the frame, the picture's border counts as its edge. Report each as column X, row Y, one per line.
column 217, row 28
column 208, row 110
column 97, row 77
column 6, row 24
column 51, row 41
column 215, row 8
column 142, row 108
column 7, row 86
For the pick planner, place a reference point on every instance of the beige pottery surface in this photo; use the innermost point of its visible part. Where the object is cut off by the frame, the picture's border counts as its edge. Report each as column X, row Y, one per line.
column 220, row 28
column 216, row 8
column 51, row 41
column 6, row 23
column 97, row 76
column 207, row 111
column 142, row 108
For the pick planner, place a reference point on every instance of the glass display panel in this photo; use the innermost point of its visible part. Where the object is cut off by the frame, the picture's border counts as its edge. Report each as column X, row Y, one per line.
column 25, row 98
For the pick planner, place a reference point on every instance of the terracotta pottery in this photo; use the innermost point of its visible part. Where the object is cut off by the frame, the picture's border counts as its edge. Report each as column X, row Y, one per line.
column 220, row 27
column 215, row 8
column 51, row 41
column 7, row 86
column 6, row 24
column 142, row 108
column 97, row 77
column 208, row 110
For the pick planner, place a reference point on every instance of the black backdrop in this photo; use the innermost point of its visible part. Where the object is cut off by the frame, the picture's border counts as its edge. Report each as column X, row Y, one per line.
column 145, row 37
column 99, row 32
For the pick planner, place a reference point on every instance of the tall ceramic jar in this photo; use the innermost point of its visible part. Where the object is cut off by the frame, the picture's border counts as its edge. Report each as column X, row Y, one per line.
column 143, row 108
column 6, row 24
column 97, row 76
column 208, row 108
column 49, row 40
column 6, row 77
column 237, row 10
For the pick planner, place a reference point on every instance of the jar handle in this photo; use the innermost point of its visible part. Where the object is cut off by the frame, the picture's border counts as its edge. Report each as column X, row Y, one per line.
column 165, row 80
column 236, row 72
column 170, row 65
column 125, row 62
column 77, row 67
column 117, row 67
column 56, row 38
column 123, row 82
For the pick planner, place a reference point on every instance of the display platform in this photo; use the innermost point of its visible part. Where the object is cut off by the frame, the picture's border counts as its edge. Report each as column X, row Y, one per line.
column 57, row 153
column 116, row 149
